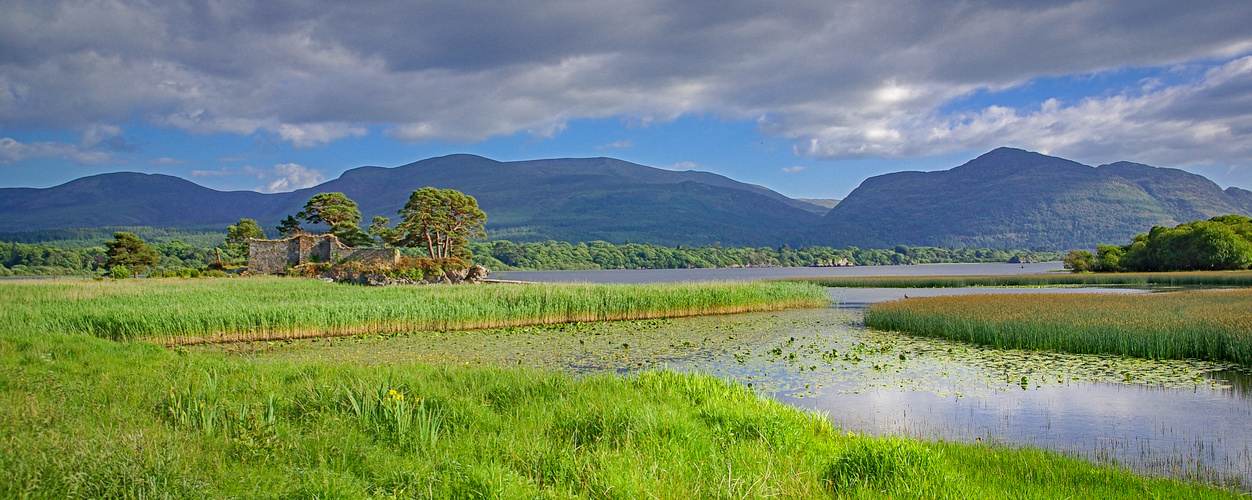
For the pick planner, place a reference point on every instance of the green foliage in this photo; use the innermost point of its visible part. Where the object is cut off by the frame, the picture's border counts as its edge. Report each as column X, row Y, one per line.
column 442, row 220
column 192, row 424
column 1219, row 243
column 288, row 227
column 128, row 250
column 237, row 235
column 119, row 272
column 1079, row 261
column 270, row 307
column 507, row 255
column 330, row 209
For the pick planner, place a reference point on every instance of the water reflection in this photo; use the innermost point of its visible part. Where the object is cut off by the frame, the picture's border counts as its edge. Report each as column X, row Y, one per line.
column 1182, row 418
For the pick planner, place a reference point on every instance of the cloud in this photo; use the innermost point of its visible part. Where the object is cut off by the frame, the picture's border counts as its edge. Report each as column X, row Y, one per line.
column 617, row 145
column 281, row 178
column 792, row 170
column 846, row 79
column 292, row 176
column 166, row 161
column 682, row 165
column 12, row 151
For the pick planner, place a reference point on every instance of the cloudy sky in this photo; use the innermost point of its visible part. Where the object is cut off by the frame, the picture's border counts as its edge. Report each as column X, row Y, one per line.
column 805, row 97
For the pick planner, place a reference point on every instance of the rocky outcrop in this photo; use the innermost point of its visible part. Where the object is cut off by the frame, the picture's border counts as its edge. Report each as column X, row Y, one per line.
column 472, row 275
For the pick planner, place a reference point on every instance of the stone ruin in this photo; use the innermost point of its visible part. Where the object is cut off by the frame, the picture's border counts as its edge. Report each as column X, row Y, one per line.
column 273, row 256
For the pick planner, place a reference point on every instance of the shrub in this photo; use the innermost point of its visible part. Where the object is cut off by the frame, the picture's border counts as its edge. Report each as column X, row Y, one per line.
column 119, row 272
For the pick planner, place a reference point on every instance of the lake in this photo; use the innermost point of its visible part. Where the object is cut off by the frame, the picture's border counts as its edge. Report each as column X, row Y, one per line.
column 1179, row 418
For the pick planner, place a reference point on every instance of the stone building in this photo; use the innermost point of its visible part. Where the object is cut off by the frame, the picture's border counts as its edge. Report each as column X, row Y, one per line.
column 273, row 256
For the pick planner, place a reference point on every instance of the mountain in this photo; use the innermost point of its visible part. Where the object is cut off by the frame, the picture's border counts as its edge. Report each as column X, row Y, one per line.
column 1020, row 199
column 562, row 199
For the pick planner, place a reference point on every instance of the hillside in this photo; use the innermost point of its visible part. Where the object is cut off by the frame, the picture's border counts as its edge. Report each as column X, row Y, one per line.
column 1010, row 198
column 563, row 199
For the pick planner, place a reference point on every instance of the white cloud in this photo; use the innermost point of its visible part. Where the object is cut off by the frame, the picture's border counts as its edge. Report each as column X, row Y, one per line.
column 617, row 145
column 792, row 170
column 847, row 79
column 316, row 134
column 292, row 176
column 166, row 161
column 682, row 166
column 12, row 151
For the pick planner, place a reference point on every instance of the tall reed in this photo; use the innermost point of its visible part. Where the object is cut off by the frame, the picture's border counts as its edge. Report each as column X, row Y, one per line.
column 1191, row 278
column 1213, row 325
column 194, row 311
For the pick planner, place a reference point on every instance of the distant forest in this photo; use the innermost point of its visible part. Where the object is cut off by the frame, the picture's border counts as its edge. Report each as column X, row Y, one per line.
column 80, row 252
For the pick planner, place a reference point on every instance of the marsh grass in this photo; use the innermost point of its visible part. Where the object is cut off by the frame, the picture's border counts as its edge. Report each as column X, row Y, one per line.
column 1192, row 278
column 264, row 308
column 90, row 418
column 1210, row 325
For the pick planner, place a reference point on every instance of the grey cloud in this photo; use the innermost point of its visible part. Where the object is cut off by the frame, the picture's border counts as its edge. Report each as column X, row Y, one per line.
column 854, row 78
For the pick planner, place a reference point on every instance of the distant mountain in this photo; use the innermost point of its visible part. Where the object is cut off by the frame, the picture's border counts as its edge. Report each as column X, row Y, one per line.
column 1010, row 198
column 562, row 199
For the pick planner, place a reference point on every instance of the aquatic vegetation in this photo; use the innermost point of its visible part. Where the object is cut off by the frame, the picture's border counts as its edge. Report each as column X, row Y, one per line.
column 339, row 431
column 1190, row 278
column 1211, row 325
column 267, row 308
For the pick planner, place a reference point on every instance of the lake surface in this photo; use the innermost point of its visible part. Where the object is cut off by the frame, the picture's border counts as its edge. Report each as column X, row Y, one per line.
column 755, row 273
column 1179, row 418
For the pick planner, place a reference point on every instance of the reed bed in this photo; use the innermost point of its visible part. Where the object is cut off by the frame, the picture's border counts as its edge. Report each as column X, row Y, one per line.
column 199, row 311
column 1211, row 325
column 1189, row 278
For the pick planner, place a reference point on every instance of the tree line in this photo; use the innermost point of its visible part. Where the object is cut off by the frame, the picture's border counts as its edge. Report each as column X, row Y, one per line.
column 554, row 255
column 1220, row 243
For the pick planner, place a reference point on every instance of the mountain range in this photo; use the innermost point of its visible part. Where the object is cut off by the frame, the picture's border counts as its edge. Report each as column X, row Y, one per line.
column 1005, row 198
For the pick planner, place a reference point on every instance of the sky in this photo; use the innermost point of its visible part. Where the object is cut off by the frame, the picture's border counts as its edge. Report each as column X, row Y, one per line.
column 807, row 98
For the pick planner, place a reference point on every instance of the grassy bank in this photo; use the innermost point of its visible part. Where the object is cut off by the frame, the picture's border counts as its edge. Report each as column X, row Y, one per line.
column 83, row 417
column 1193, row 278
column 1213, row 325
column 175, row 311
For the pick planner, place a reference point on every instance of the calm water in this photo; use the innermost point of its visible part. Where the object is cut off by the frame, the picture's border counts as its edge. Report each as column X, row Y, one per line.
column 1180, row 418
column 680, row 275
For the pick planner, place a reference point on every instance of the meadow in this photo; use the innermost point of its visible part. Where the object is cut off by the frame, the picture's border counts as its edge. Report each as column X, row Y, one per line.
column 188, row 311
column 85, row 417
column 1211, row 325
column 88, row 410
column 1190, row 278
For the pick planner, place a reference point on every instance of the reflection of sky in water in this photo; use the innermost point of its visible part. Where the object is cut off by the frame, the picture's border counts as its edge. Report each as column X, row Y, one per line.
column 1178, row 417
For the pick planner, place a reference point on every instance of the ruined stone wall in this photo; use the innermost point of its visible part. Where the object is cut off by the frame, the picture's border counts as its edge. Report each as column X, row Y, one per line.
column 272, row 256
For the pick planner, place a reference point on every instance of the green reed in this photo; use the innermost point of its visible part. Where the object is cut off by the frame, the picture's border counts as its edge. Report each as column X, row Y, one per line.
column 1190, row 278
column 1213, row 325
column 265, row 308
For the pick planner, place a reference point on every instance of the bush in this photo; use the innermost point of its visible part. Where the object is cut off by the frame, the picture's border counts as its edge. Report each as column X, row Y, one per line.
column 119, row 272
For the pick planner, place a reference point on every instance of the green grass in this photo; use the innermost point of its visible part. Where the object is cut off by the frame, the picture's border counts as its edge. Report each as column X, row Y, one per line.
column 1193, row 278
column 82, row 416
column 178, row 311
column 1212, row 325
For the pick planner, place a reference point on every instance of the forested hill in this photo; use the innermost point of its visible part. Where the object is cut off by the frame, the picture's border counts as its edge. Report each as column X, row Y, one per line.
column 563, row 199
column 1010, row 198
column 1007, row 198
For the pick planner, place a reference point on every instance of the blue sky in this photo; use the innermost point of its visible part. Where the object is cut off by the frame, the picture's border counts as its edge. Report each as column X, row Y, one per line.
column 806, row 98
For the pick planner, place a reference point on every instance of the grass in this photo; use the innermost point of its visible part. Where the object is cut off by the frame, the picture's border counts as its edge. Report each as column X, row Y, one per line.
column 83, row 417
column 86, row 416
column 1189, row 278
column 178, row 311
column 1211, row 325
